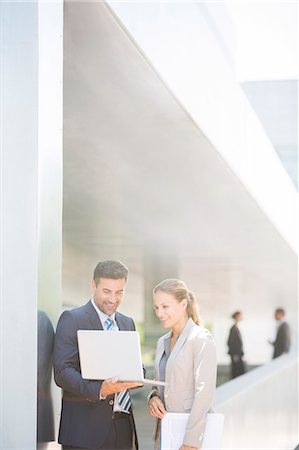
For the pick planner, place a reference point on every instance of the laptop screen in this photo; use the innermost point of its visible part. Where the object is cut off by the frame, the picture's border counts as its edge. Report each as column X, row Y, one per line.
column 108, row 354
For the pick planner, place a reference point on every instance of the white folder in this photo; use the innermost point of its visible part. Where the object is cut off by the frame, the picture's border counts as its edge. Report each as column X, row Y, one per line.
column 173, row 427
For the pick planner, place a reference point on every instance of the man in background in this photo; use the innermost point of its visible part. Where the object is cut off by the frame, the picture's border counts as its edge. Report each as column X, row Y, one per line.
column 282, row 340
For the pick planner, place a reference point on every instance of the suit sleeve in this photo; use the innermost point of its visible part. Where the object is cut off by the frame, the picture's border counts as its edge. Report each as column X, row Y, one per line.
column 205, row 371
column 66, row 361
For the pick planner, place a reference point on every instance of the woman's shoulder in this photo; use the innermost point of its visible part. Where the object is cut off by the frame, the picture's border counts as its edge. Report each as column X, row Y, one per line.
column 201, row 334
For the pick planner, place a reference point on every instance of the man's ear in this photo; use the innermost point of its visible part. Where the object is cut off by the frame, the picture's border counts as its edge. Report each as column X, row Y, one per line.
column 93, row 286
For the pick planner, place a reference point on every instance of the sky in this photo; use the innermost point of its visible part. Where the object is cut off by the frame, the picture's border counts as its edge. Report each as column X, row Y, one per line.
column 267, row 39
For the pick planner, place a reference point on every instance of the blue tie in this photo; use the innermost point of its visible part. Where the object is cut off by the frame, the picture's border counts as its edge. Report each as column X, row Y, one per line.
column 109, row 324
column 123, row 397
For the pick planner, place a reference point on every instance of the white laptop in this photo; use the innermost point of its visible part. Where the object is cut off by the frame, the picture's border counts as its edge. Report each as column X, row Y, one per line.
column 109, row 354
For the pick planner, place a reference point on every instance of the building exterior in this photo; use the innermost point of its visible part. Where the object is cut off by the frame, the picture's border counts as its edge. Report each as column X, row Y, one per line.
column 125, row 135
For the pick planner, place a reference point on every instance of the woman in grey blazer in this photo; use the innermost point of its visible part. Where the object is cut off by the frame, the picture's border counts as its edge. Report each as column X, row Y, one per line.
column 185, row 359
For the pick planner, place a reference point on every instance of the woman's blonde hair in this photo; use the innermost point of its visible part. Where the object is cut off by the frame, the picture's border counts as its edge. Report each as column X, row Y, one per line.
column 178, row 289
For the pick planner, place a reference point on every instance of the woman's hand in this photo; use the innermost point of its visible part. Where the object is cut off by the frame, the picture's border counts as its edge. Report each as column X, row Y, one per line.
column 156, row 407
column 187, row 447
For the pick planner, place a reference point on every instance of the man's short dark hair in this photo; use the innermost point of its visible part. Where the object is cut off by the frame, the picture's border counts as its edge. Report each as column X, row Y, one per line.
column 236, row 314
column 280, row 311
column 110, row 269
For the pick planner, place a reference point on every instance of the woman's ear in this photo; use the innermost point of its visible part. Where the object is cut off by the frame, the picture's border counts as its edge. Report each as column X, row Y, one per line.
column 184, row 303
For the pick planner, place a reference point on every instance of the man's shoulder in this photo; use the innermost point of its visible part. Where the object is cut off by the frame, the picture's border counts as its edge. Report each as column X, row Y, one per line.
column 78, row 311
column 123, row 317
column 284, row 326
column 124, row 322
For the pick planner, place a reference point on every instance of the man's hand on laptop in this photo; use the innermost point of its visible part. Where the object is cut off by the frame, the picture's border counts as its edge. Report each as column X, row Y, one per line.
column 113, row 385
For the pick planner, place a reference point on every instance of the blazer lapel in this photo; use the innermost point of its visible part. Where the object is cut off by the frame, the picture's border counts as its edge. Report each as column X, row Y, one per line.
column 159, row 353
column 121, row 322
column 160, row 348
column 180, row 342
column 93, row 317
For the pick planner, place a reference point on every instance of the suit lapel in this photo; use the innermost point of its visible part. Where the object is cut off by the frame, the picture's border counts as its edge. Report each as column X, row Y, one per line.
column 93, row 317
column 121, row 322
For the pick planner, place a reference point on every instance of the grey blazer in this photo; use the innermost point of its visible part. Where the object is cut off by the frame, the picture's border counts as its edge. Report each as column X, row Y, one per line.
column 191, row 376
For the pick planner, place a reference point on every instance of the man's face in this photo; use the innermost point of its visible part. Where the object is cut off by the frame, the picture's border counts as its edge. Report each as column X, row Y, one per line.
column 278, row 315
column 108, row 294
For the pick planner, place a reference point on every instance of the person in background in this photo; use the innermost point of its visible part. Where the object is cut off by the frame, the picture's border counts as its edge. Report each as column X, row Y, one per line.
column 282, row 340
column 235, row 347
column 95, row 415
column 185, row 359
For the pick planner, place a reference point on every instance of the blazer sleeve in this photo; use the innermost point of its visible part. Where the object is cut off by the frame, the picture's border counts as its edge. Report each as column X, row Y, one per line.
column 67, row 373
column 204, row 372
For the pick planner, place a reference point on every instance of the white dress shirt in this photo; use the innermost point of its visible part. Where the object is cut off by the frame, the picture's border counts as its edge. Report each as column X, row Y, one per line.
column 103, row 317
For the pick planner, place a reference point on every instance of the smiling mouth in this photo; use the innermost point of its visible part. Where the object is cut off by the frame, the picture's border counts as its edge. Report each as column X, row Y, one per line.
column 109, row 305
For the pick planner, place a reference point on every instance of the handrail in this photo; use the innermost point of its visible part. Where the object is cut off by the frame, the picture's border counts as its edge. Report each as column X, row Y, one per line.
column 239, row 385
column 261, row 407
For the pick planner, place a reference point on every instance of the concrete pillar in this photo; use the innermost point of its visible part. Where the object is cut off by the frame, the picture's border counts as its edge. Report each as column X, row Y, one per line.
column 50, row 176
column 19, row 220
column 30, row 200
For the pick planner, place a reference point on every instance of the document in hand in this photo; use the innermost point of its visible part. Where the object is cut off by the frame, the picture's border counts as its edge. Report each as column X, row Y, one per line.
column 173, row 427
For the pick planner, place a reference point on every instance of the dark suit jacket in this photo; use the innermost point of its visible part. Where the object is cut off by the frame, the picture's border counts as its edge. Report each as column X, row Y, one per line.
column 283, row 340
column 235, row 345
column 85, row 420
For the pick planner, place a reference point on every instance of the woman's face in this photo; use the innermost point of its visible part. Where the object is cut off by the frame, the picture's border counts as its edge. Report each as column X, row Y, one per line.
column 170, row 312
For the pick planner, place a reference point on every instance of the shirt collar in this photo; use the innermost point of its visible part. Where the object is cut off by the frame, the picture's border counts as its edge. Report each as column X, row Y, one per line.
column 103, row 317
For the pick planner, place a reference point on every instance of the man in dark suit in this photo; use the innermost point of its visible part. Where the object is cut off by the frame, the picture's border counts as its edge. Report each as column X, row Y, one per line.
column 282, row 340
column 235, row 347
column 95, row 414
